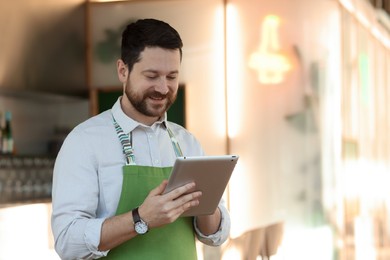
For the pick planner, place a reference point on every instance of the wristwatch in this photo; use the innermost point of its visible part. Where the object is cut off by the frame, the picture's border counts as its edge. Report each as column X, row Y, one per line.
column 140, row 226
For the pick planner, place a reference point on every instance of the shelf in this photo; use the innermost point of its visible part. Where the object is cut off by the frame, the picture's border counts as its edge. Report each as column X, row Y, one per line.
column 25, row 179
column 39, row 96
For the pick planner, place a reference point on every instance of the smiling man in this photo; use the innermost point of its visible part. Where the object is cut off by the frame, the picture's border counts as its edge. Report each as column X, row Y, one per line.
column 112, row 169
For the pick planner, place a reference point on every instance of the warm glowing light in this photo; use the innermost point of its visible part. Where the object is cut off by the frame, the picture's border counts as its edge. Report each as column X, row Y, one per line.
column 347, row 5
column 364, row 182
column 307, row 244
column 234, row 73
column 232, row 254
column 33, row 232
column 268, row 60
column 219, row 105
column 199, row 250
column 363, row 179
column 363, row 18
column 364, row 240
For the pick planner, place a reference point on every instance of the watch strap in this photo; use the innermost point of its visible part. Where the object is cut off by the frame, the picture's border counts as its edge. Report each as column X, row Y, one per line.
column 136, row 217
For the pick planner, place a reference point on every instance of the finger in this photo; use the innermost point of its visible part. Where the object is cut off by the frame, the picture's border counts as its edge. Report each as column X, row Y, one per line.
column 180, row 191
column 189, row 197
column 186, row 202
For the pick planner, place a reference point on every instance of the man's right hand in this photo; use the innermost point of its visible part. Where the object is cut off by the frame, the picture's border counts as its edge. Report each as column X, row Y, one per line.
column 159, row 209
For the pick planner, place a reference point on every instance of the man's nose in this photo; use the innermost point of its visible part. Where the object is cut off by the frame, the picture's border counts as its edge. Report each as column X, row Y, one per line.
column 162, row 86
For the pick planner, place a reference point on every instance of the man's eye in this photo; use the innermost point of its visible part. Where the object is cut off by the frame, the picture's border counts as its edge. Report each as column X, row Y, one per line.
column 151, row 77
column 171, row 77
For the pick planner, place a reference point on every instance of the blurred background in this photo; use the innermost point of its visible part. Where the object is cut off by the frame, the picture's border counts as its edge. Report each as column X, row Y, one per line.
column 299, row 89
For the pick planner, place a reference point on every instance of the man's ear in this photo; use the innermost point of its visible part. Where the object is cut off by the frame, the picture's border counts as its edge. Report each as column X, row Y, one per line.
column 122, row 71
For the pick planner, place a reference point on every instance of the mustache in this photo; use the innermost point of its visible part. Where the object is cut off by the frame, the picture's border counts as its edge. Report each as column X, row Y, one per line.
column 155, row 94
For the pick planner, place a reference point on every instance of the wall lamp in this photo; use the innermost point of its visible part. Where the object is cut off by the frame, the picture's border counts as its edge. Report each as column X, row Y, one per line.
column 269, row 61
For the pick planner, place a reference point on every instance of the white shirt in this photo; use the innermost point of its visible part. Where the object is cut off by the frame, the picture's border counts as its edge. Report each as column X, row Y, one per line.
column 87, row 179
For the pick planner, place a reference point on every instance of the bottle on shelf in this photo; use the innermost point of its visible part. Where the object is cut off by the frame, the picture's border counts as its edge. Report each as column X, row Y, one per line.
column 8, row 141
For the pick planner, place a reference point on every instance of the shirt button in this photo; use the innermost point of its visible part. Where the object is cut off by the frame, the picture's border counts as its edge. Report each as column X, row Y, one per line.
column 156, row 161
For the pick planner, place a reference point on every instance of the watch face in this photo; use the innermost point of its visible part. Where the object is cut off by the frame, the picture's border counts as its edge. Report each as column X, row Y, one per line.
column 141, row 227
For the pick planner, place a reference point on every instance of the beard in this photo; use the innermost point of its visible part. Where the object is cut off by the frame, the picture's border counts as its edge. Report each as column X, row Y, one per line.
column 141, row 104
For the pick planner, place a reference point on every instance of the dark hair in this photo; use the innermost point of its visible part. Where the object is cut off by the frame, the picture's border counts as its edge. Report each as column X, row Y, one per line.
column 147, row 33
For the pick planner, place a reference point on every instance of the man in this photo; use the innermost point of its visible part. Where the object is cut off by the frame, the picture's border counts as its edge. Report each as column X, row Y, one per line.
column 111, row 171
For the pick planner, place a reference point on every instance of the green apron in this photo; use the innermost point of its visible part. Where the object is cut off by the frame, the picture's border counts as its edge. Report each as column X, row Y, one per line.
column 170, row 242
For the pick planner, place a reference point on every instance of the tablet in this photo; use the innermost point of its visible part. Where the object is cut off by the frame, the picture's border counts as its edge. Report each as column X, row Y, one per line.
column 211, row 175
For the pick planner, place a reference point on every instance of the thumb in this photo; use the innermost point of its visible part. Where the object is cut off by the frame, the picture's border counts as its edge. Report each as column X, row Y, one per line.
column 160, row 188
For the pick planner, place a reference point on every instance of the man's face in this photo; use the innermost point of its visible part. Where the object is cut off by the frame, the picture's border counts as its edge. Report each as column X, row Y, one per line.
column 152, row 85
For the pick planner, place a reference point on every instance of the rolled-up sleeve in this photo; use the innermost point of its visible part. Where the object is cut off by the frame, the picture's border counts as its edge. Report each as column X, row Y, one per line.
column 75, row 198
column 219, row 237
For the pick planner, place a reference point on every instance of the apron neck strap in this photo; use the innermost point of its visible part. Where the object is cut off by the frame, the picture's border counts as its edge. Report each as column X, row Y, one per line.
column 175, row 143
column 127, row 142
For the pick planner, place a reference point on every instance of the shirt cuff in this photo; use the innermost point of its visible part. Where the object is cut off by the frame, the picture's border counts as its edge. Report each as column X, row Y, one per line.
column 92, row 237
column 222, row 234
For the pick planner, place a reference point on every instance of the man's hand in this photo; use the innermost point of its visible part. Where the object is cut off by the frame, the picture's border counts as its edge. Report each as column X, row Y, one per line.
column 160, row 209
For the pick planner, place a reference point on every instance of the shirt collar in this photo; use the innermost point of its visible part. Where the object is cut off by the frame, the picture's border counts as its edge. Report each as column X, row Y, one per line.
column 127, row 123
